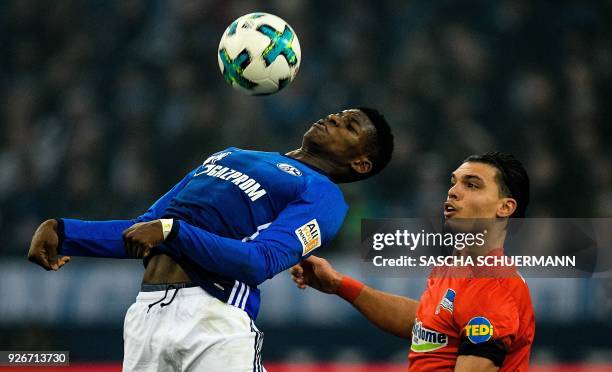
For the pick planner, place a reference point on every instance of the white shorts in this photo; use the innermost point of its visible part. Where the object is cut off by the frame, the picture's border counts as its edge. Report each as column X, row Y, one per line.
column 193, row 332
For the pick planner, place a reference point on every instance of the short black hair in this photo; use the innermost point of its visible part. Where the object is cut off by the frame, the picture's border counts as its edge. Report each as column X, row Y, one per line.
column 512, row 177
column 380, row 145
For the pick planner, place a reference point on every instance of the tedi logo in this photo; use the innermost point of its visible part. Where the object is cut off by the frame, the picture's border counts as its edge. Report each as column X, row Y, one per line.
column 479, row 330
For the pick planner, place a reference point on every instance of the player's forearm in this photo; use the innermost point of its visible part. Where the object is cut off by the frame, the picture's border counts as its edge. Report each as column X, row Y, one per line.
column 391, row 313
column 104, row 238
column 248, row 262
column 92, row 238
column 472, row 363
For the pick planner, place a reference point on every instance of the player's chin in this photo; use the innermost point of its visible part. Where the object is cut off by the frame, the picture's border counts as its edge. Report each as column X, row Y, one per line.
column 315, row 141
column 310, row 134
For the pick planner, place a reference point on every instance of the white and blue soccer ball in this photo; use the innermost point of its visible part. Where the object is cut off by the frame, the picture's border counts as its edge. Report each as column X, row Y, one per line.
column 259, row 54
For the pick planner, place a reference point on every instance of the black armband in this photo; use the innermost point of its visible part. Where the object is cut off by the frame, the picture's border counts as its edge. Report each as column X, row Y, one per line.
column 495, row 350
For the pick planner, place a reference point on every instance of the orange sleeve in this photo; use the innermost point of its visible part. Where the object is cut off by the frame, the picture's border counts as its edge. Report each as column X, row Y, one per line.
column 487, row 311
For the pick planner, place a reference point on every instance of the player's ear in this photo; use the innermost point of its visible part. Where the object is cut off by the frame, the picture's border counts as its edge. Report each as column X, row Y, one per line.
column 506, row 208
column 361, row 165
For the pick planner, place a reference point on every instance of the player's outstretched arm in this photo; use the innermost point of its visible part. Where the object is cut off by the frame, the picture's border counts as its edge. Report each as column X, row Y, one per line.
column 44, row 245
column 391, row 313
column 307, row 223
column 104, row 238
column 251, row 262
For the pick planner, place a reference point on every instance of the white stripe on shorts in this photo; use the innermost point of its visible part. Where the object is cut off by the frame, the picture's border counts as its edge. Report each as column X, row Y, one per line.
column 231, row 297
column 239, row 295
column 246, row 296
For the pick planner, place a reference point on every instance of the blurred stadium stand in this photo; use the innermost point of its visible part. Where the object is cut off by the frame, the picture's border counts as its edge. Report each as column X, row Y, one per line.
column 106, row 104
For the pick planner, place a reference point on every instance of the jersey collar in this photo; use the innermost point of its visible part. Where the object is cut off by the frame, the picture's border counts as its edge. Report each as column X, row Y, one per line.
column 318, row 170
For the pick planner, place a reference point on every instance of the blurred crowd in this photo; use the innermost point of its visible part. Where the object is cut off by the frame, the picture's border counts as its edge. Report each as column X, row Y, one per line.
column 106, row 104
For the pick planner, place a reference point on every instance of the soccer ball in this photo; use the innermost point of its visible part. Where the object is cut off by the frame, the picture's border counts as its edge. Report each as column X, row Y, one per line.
column 259, row 54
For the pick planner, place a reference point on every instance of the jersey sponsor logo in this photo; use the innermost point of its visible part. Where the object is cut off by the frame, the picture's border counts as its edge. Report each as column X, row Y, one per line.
column 478, row 330
column 215, row 158
column 249, row 186
column 288, row 168
column 447, row 302
column 210, row 161
column 309, row 235
column 425, row 340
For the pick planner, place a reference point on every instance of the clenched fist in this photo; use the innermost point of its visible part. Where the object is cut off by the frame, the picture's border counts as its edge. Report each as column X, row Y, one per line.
column 141, row 237
column 44, row 246
column 317, row 273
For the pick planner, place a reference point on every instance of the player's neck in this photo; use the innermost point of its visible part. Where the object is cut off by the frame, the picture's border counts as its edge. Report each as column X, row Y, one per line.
column 313, row 160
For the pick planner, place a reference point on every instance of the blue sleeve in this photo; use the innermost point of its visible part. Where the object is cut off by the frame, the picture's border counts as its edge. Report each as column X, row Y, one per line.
column 306, row 224
column 103, row 238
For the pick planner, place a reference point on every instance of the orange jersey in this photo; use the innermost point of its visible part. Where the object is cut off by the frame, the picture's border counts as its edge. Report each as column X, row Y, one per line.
column 488, row 317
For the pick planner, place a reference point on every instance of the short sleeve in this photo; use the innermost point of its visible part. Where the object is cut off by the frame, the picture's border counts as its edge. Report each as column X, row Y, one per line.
column 487, row 315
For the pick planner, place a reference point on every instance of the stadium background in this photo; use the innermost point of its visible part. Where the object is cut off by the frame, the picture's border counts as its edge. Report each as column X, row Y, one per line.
column 106, row 104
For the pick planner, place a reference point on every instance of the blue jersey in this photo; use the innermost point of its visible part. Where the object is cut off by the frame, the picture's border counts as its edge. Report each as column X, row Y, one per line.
column 239, row 219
